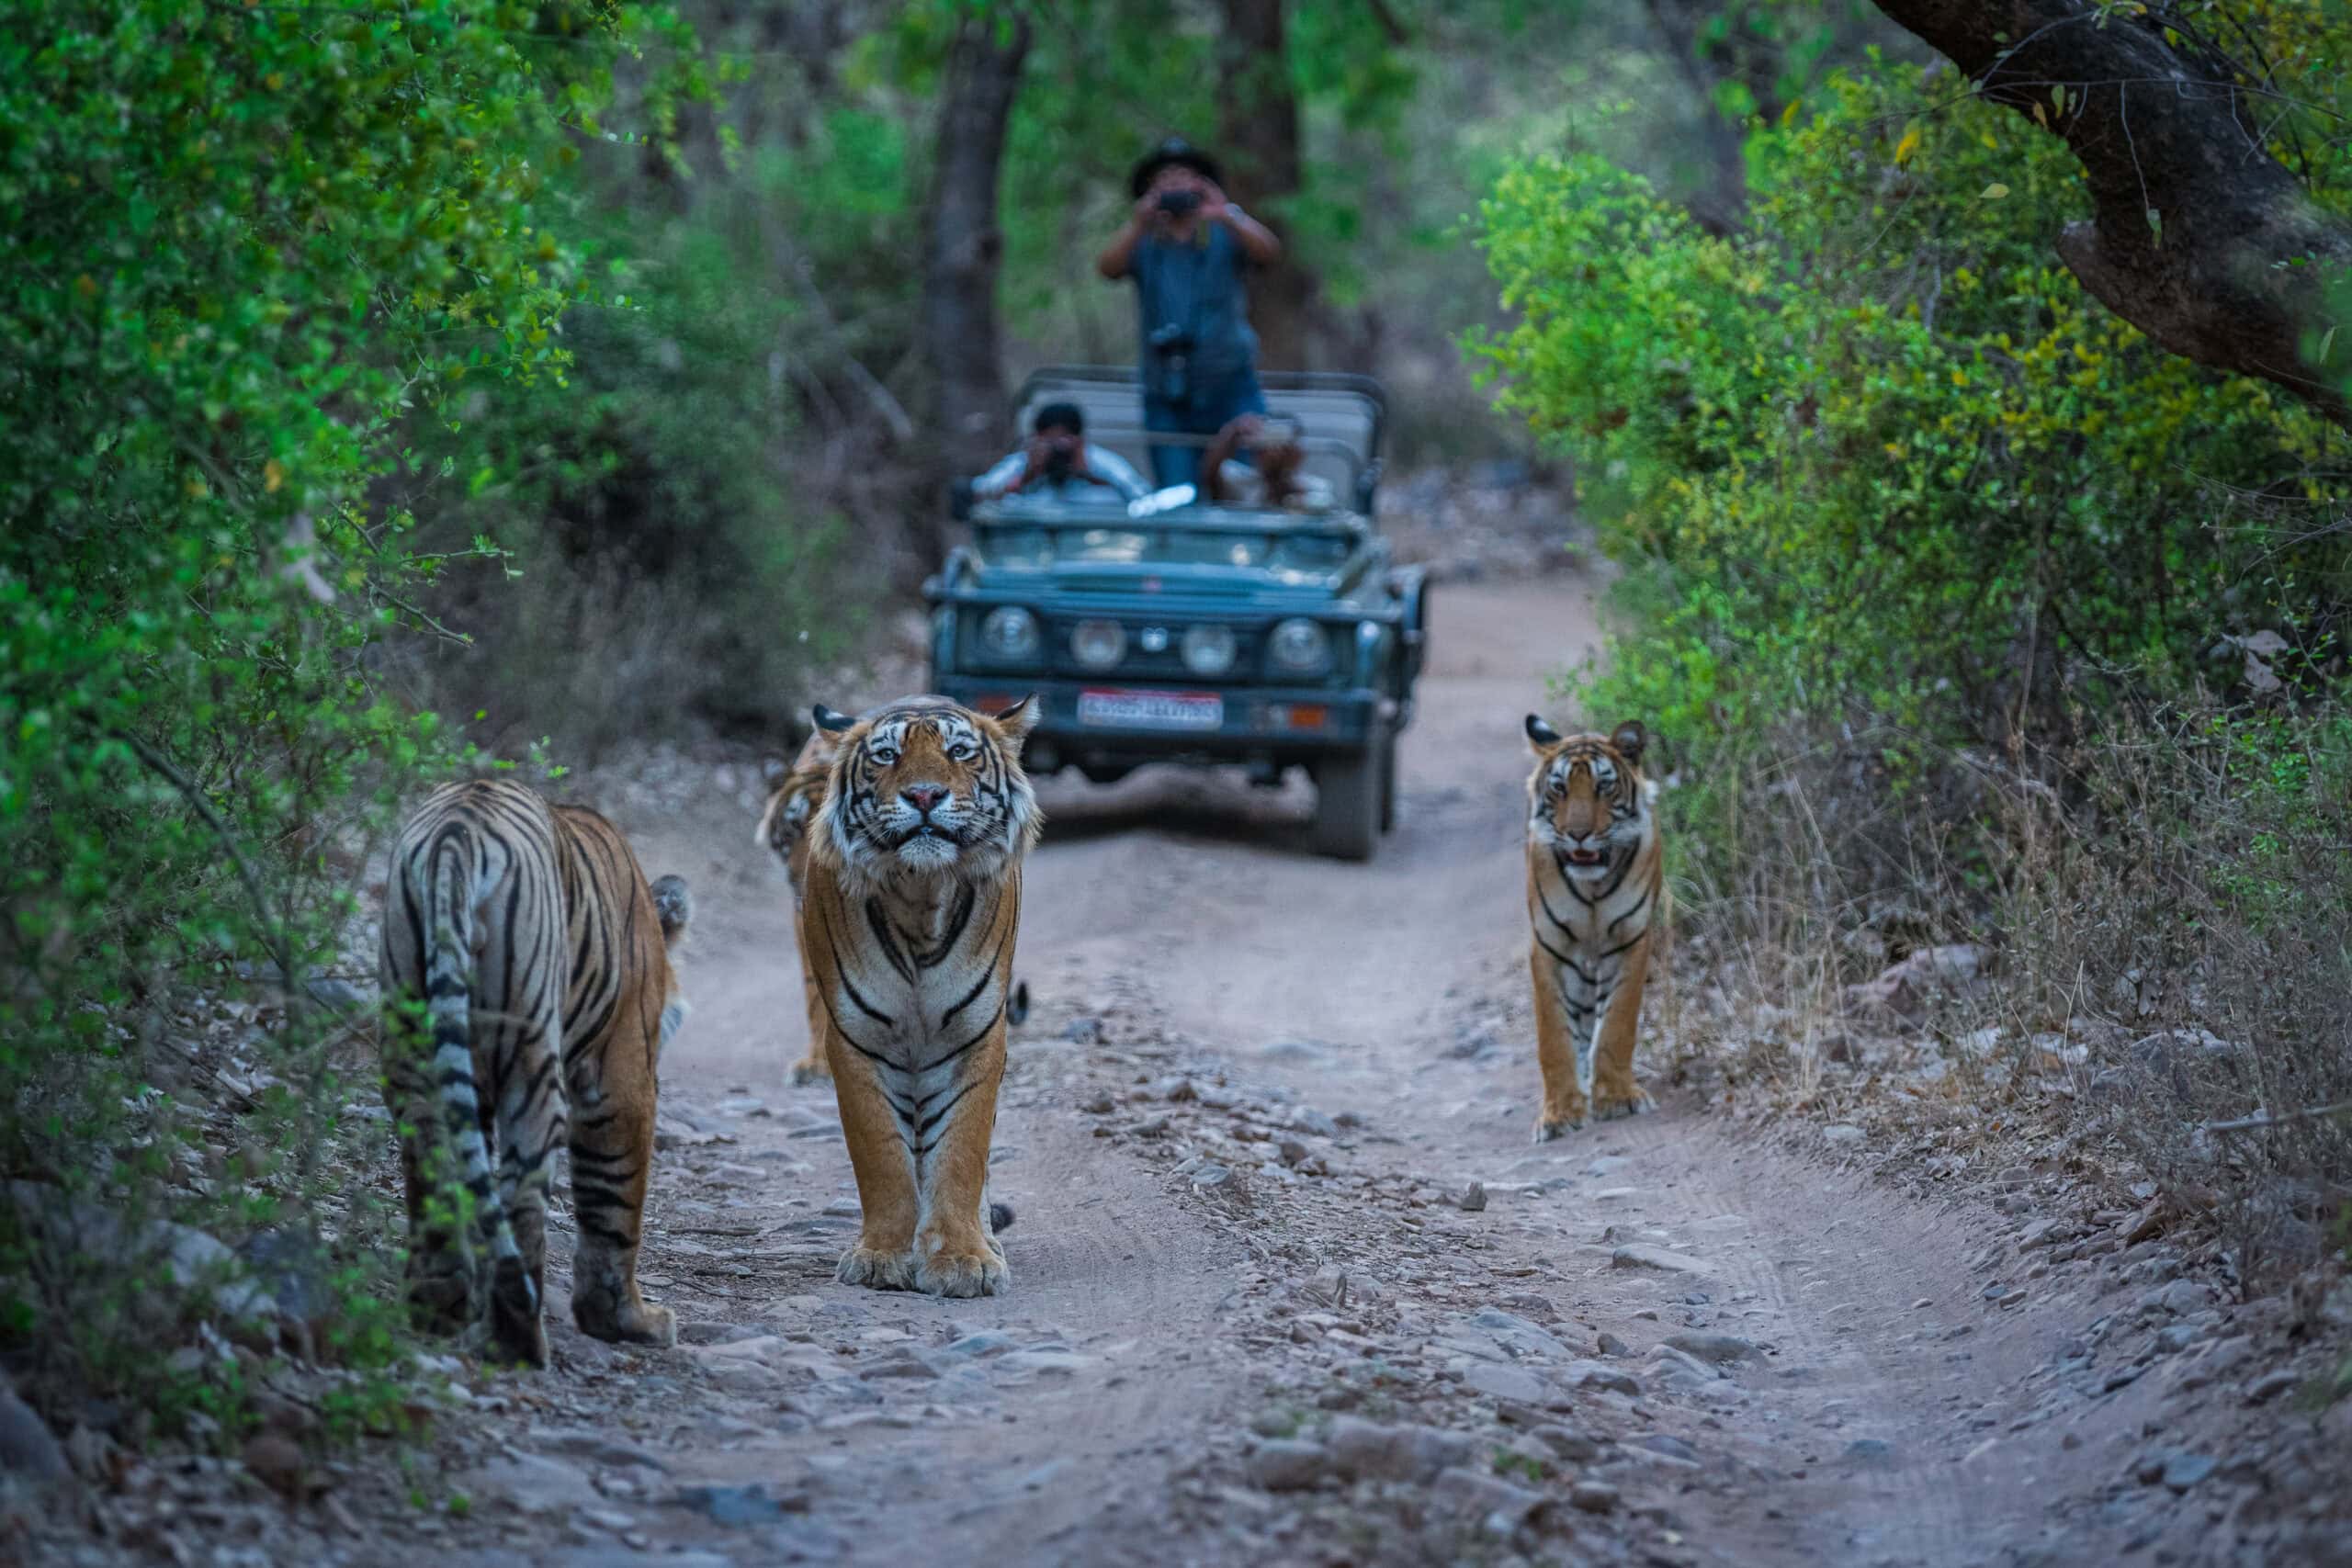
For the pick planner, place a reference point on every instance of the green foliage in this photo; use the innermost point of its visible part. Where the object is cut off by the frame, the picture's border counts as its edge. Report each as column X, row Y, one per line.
column 1877, row 462
column 248, row 249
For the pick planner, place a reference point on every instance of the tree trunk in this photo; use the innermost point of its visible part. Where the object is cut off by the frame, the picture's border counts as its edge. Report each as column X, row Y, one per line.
column 1259, row 127
column 961, row 246
column 2198, row 236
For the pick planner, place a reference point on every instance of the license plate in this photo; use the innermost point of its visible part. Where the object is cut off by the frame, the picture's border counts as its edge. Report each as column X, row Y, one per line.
column 1152, row 710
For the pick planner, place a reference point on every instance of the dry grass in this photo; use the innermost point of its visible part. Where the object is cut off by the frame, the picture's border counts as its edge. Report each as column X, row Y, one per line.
column 2118, row 958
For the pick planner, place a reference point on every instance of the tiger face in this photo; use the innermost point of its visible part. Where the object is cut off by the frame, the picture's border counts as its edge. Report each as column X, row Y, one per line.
column 795, row 789
column 1587, row 803
column 924, row 788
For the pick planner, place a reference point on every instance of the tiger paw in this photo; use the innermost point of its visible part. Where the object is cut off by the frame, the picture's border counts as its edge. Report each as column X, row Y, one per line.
column 809, row 1069
column 875, row 1269
column 1608, row 1109
column 608, row 1318
column 1558, row 1124
column 962, row 1273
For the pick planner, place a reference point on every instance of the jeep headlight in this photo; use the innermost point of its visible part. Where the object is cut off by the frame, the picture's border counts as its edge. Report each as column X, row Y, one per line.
column 1098, row 645
column 1299, row 647
column 1208, row 650
column 1009, row 635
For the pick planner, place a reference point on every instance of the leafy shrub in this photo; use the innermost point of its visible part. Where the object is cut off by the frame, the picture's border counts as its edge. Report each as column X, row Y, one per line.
column 1877, row 464
column 248, row 247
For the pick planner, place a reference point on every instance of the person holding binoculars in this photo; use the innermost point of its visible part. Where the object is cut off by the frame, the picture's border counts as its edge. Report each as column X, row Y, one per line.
column 1189, row 247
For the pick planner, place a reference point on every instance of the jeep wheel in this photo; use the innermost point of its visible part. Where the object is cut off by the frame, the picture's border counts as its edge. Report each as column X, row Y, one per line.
column 1347, row 804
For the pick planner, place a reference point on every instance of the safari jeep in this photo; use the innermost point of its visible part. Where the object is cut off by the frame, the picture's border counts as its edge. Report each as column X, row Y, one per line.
column 1172, row 631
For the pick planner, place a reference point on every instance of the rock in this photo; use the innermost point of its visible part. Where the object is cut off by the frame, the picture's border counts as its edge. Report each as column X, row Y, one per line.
column 1842, row 1134
column 1670, row 1446
column 2269, row 1385
column 1371, row 1450
column 986, row 1342
column 1209, row 1178
column 1288, row 1465
column 597, row 1447
column 1870, row 1452
column 275, row 1461
column 533, row 1483
column 1609, row 1345
column 1718, row 1348
column 2182, row 1298
column 191, row 1260
column 2183, row 1470
column 1905, row 989
column 1474, row 1198
column 1493, row 1499
column 1100, row 1105
column 738, row 1507
column 1293, row 1153
column 1054, row 1363
column 1638, row 1256
column 1567, row 1443
column 1594, row 1374
column 1313, row 1123
column 1593, row 1497
column 28, row 1447
column 1499, row 1381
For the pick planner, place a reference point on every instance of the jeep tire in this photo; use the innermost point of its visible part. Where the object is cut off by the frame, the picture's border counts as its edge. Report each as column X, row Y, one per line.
column 1347, row 802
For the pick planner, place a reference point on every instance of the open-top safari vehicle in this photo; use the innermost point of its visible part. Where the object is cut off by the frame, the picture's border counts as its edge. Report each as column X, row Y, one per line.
column 1172, row 631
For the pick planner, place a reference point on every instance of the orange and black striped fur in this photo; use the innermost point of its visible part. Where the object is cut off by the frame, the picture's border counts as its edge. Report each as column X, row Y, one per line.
column 794, row 791
column 912, row 905
column 527, row 938
column 1596, row 896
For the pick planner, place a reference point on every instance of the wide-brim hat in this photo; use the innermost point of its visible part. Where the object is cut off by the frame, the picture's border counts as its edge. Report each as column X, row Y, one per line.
column 1179, row 152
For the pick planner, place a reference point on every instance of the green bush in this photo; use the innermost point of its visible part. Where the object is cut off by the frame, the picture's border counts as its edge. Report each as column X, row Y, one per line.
column 1878, row 463
column 249, row 248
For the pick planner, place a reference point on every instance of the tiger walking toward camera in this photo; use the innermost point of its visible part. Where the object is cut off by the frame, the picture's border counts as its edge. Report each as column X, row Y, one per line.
column 526, row 968
column 1596, row 896
column 912, row 906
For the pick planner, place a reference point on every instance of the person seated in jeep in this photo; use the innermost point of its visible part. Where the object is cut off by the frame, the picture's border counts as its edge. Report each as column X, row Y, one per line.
column 1058, row 460
column 1273, row 475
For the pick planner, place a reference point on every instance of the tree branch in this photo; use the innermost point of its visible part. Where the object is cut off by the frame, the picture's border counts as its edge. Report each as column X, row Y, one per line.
column 2198, row 236
column 272, row 938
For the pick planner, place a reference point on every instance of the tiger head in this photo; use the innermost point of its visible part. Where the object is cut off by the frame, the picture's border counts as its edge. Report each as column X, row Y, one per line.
column 926, row 788
column 1587, row 804
column 794, row 791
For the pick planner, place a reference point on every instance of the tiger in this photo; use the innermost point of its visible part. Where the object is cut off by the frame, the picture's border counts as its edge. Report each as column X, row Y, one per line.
column 796, row 790
column 1596, row 905
column 526, row 938
column 912, row 906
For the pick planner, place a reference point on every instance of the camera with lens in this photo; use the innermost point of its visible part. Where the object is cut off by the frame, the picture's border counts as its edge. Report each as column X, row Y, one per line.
column 1171, row 362
column 1176, row 203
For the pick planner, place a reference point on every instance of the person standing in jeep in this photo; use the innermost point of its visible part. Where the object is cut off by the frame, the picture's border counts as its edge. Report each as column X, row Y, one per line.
column 1189, row 247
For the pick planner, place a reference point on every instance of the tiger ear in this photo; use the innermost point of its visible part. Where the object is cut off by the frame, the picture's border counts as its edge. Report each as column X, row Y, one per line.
column 827, row 719
column 1629, row 739
column 1541, row 736
column 775, row 770
column 1017, row 721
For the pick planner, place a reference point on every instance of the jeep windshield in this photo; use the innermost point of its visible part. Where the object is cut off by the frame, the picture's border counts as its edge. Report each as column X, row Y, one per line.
column 1259, row 541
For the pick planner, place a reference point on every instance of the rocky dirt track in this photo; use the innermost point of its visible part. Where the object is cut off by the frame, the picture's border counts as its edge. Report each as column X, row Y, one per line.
column 1289, row 1283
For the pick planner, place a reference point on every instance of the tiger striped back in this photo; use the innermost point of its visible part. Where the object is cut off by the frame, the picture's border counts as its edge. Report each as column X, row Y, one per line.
column 538, row 956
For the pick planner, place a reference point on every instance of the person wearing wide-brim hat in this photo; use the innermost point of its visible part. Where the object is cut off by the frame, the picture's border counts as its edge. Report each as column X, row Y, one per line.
column 1189, row 248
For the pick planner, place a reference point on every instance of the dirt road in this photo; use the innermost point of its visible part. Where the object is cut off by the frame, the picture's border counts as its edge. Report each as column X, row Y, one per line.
column 1240, row 1130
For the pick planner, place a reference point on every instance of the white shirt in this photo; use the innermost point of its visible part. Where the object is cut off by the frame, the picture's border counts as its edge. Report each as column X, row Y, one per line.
column 1105, row 470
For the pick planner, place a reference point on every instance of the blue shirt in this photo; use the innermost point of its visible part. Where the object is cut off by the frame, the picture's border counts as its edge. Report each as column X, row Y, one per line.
column 1197, row 284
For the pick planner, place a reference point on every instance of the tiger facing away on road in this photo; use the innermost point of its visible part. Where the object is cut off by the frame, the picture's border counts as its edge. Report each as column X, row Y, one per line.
column 912, row 908
column 540, row 959
column 1595, row 898
column 795, row 789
